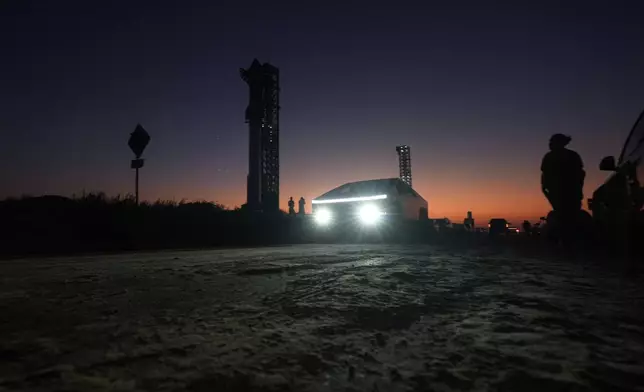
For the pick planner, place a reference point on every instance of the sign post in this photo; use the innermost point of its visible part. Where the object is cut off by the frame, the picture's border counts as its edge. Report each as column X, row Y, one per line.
column 139, row 139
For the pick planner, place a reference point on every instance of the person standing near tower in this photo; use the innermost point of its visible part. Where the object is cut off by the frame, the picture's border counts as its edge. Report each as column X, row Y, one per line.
column 301, row 206
column 291, row 206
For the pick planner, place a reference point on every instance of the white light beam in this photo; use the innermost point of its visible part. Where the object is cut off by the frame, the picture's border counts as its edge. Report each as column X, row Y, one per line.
column 350, row 199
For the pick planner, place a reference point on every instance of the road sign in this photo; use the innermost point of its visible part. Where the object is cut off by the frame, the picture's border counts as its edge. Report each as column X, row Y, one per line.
column 139, row 139
column 136, row 164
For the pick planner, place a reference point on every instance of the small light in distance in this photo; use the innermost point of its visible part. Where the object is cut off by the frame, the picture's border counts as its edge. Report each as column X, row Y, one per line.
column 322, row 216
column 369, row 214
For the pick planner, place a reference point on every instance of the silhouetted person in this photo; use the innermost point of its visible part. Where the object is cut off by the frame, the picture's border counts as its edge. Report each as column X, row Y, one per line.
column 469, row 221
column 527, row 227
column 291, row 206
column 562, row 181
column 301, row 203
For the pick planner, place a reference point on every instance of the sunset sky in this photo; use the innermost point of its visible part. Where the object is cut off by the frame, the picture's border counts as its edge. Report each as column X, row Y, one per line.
column 475, row 91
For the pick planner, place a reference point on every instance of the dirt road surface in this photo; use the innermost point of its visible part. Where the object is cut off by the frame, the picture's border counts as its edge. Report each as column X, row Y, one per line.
column 319, row 318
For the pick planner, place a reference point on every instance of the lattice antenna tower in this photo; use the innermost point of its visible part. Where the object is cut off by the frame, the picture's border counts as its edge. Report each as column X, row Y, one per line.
column 404, row 163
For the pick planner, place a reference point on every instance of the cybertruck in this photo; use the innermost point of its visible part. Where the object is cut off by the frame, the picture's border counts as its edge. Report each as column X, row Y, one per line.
column 368, row 204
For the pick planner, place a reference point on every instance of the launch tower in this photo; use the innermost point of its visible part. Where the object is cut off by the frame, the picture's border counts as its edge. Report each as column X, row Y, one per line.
column 262, row 117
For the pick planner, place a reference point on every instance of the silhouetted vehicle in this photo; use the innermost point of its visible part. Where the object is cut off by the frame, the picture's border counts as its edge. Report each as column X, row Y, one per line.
column 443, row 224
column 618, row 205
column 498, row 226
column 540, row 227
column 512, row 230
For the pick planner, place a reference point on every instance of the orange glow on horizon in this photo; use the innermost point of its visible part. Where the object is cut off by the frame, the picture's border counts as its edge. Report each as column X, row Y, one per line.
column 500, row 200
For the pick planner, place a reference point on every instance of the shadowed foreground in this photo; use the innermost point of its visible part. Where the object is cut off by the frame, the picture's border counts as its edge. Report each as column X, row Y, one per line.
column 319, row 318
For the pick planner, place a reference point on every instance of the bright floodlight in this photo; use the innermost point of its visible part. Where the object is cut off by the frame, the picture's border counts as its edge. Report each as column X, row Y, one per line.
column 349, row 199
column 322, row 216
column 369, row 214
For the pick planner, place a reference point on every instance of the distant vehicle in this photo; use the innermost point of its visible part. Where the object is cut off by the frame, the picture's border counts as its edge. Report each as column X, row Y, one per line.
column 442, row 224
column 498, row 226
column 617, row 205
column 460, row 227
column 512, row 230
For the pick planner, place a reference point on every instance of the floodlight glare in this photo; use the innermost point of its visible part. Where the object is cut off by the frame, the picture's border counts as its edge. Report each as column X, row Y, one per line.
column 349, row 199
column 369, row 214
column 322, row 216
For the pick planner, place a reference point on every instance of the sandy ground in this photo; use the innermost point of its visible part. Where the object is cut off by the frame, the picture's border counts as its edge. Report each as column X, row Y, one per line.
column 319, row 318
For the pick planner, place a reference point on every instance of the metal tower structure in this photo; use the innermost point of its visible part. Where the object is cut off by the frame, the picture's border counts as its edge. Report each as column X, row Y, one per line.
column 262, row 117
column 404, row 163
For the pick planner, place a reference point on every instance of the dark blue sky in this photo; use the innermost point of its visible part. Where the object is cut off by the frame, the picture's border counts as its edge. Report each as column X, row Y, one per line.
column 475, row 89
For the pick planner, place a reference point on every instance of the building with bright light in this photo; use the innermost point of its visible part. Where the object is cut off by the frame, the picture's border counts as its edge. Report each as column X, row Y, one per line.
column 370, row 201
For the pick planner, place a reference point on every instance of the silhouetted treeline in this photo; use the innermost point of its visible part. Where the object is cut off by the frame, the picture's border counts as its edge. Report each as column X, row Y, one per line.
column 94, row 222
